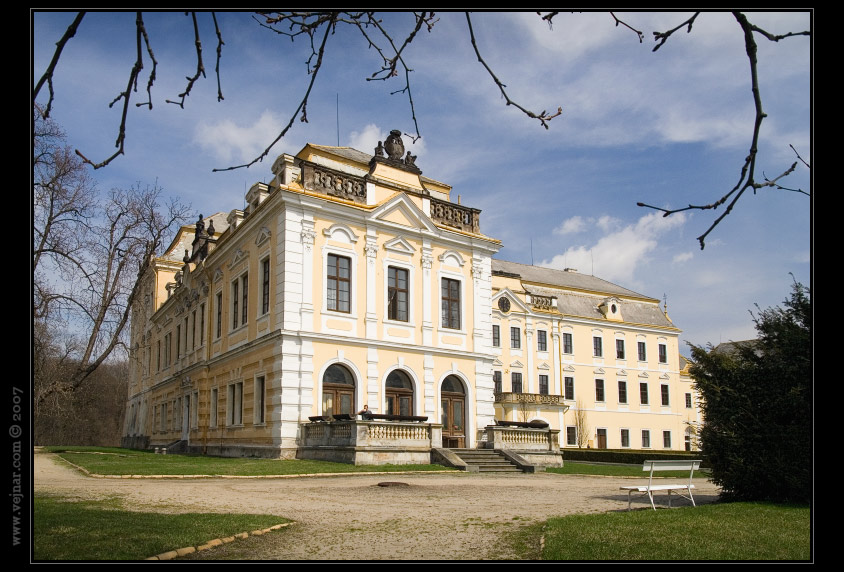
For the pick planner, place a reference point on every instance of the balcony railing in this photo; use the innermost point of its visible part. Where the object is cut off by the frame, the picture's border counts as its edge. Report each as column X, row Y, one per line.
column 529, row 398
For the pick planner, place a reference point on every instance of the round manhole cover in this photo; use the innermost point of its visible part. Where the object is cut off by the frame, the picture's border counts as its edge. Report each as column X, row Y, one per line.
column 393, row 484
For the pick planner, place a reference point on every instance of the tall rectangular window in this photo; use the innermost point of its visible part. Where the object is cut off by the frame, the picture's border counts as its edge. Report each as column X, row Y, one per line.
column 178, row 341
column 158, row 359
column 622, row 392
column 688, row 401
column 599, row 390
column 397, row 294
column 219, row 314
column 664, row 392
column 569, row 387
column 260, row 400
column 619, row 349
column 597, row 346
column 567, row 343
column 543, row 384
column 234, row 404
column 625, row 438
column 244, row 288
column 643, row 393
column 496, row 336
column 235, row 302
column 193, row 331
column 168, row 345
column 213, row 412
column 646, row 438
column 515, row 338
column 663, row 353
column 451, row 303
column 496, row 380
column 541, row 341
column 516, row 382
column 265, row 286
column 201, row 324
column 642, row 355
column 339, row 283
column 571, row 436
column 666, row 439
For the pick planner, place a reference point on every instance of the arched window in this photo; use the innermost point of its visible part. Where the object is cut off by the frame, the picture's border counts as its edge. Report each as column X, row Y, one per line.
column 399, row 392
column 338, row 391
column 453, row 414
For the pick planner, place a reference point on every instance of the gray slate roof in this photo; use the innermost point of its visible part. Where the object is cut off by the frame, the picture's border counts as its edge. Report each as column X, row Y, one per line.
column 568, row 288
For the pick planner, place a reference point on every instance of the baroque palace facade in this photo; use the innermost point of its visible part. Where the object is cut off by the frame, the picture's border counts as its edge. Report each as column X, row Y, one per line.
column 351, row 280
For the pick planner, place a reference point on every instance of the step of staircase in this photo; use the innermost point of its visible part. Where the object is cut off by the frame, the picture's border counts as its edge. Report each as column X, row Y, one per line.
column 487, row 460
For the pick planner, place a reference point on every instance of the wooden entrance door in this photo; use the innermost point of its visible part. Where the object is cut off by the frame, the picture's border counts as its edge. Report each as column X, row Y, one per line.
column 453, row 413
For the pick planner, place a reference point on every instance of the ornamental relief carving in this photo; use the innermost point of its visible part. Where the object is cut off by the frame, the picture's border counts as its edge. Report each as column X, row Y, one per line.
column 335, row 184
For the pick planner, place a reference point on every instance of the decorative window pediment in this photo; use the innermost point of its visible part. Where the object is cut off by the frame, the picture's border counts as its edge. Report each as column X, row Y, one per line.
column 543, row 366
column 263, row 236
column 644, row 374
column 599, row 371
column 340, row 233
column 516, row 363
column 399, row 245
column 451, row 258
column 238, row 257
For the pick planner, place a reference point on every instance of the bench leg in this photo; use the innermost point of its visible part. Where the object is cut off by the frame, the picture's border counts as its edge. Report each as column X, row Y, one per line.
column 651, row 496
column 669, row 498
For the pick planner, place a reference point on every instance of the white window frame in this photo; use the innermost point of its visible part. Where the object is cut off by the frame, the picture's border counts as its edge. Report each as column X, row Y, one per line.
column 234, row 404
column 214, row 399
column 259, row 400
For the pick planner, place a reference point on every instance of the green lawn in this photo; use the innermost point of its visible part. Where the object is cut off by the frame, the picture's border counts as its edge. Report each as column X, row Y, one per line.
column 720, row 531
column 67, row 529
column 116, row 461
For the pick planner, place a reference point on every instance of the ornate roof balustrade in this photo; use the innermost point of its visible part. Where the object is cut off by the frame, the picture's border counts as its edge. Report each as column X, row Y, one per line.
column 457, row 216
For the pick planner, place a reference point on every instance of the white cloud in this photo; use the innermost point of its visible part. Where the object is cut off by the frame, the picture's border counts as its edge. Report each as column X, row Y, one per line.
column 682, row 257
column 572, row 225
column 367, row 139
column 617, row 255
column 229, row 141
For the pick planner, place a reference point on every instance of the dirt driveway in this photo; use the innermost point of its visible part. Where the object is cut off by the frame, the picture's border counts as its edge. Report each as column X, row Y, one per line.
column 454, row 516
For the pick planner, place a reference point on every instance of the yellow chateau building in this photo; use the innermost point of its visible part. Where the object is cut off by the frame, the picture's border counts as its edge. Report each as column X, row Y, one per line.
column 351, row 280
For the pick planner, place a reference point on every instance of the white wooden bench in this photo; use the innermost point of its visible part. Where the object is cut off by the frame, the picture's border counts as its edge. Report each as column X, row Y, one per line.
column 674, row 465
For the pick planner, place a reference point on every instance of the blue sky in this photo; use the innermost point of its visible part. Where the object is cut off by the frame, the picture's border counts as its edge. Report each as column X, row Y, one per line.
column 667, row 128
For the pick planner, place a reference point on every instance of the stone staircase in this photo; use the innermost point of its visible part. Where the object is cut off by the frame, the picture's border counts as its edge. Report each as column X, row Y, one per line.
column 486, row 460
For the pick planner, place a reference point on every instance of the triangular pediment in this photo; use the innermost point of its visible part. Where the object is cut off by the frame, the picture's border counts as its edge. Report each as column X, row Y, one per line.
column 497, row 362
column 516, row 304
column 569, row 369
column 516, row 363
column 400, row 246
column 543, row 366
column 599, row 371
column 400, row 210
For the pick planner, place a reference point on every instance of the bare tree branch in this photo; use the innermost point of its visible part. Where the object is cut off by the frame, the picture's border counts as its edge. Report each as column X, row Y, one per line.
column 661, row 37
column 48, row 74
column 200, row 67
column 543, row 117
column 747, row 173
column 303, row 105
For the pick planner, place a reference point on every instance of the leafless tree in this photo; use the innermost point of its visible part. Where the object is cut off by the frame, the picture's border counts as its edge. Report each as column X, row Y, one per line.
column 582, row 424
column 86, row 254
column 389, row 45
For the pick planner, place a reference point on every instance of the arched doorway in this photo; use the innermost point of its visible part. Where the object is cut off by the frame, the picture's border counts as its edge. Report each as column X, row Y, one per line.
column 338, row 391
column 399, row 394
column 453, row 412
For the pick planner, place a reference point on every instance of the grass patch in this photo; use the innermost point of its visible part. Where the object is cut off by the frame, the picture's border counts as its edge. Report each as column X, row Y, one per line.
column 619, row 471
column 117, row 461
column 67, row 529
column 721, row 531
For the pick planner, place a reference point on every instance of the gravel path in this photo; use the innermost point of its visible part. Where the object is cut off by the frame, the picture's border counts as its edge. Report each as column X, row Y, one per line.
column 454, row 516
